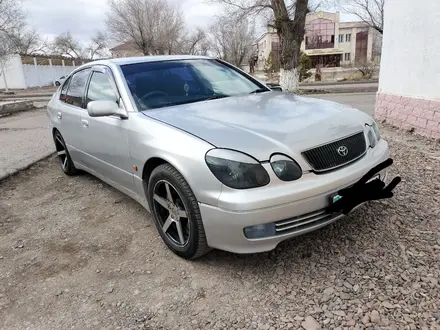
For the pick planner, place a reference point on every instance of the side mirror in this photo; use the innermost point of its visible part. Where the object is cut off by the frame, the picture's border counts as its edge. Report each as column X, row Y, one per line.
column 105, row 108
column 274, row 87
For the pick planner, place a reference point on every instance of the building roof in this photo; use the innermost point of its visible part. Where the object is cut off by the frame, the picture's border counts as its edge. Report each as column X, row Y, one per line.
column 360, row 24
column 129, row 45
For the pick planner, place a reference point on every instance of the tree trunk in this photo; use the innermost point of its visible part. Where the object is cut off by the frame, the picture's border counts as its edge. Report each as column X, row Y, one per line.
column 291, row 34
column 290, row 50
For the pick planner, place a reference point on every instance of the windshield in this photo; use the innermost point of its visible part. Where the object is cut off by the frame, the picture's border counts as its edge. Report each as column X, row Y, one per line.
column 160, row 84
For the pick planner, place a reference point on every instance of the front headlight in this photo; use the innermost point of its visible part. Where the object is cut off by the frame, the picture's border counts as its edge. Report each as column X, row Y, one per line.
column 373, row 134
column 235, row 169
column 285, row 168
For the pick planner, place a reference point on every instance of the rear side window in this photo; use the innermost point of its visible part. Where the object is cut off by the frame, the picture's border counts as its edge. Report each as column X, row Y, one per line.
column 77, row 86
column 64, row 90
column 100, row 88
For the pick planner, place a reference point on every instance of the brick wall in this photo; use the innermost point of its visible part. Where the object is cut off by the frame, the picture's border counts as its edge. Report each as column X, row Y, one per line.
column 409, row 113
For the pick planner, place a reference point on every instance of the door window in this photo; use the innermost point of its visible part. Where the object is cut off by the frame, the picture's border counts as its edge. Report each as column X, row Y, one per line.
column 64, row 90
column 77, row 86
column 100, row 88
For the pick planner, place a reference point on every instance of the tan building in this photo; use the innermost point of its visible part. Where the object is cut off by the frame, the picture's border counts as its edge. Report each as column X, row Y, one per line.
column 329, row 42
column 126, row 49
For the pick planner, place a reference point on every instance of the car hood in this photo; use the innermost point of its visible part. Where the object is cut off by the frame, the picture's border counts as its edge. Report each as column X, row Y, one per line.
column 265, row 123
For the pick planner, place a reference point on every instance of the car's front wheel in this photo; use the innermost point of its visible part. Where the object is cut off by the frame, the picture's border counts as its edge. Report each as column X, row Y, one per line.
column 176, row 213
column 64, row 158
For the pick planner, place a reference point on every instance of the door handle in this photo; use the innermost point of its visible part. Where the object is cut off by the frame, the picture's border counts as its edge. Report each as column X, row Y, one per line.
column 59, row 115
column 85, row 123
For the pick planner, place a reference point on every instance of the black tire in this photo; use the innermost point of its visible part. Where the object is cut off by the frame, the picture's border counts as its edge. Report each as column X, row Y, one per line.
column 65, row 160
column 196, row 244
column 57, row 83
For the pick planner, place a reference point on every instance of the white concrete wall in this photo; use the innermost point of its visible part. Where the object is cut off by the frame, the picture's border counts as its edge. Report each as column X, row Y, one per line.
column 14, row 73
column 410, row 64
column 44, row 75
column 20, row 76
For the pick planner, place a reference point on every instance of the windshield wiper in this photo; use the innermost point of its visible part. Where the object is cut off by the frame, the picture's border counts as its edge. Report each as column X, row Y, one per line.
column 170, row 104
column 259, row 90
column 214, row 97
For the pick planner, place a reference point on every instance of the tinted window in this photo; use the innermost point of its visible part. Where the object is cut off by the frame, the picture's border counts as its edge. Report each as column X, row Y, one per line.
column 64, row 90
column 167, row 83
column 100, row 88
column 77, row 86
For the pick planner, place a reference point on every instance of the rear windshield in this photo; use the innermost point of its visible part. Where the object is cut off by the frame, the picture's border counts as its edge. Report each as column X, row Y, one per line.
column 160, row 84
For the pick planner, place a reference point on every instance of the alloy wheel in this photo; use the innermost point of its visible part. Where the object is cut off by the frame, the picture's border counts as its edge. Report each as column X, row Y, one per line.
column 61, row 152
column 171, row 213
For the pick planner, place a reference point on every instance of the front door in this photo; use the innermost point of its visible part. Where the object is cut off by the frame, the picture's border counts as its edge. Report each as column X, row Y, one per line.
column 104, row 140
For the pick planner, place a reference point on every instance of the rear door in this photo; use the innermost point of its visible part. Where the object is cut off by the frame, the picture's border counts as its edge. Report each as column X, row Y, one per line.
column 70, row 110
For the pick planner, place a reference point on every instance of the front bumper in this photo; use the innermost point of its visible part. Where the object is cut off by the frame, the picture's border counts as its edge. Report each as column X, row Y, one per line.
column 295, row 208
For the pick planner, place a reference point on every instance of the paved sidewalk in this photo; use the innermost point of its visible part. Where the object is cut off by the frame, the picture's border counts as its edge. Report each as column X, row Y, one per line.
column 24, row 139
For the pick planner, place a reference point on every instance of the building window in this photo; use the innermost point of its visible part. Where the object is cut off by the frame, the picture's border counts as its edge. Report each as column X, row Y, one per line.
column 320, row 34
column 341, row 38
column 348, row 37
column 347, row 57
column 361, row 45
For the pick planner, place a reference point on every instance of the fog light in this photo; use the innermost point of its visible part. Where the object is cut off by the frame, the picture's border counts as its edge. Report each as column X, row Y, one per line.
column 260, row 231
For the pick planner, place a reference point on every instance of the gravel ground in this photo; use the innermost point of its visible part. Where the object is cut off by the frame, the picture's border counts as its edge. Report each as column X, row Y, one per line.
column 75, row 253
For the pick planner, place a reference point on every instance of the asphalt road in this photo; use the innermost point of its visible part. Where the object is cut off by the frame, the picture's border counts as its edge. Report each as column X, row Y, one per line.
column 362, row 101
column 25, row 137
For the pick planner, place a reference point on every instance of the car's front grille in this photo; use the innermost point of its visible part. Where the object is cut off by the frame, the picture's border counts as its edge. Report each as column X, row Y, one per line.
column 305, row 222
column 335, row 154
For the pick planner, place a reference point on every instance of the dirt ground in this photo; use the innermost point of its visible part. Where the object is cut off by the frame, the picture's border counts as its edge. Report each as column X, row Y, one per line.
column 77, row 254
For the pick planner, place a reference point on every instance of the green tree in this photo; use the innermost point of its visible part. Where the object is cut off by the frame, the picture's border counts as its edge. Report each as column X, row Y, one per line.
column 305, row 66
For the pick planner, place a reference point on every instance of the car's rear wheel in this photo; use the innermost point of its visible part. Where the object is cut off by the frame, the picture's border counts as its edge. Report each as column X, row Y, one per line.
column 57, row 83
column 64, row 158
column 176, row 213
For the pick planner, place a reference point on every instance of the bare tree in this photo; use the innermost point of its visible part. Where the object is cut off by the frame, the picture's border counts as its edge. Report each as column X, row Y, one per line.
column 232, row 39
column 368, row 11
column 196, row 43
column 98, row 45
column 289, row 19
column 65, row 44
column 153, row 26
column 29, row 42
column 367, row 67
column 12, row 16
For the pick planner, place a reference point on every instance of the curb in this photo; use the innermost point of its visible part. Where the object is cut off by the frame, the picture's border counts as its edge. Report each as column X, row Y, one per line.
column 345, row 82
column 15, row 106
column 17, row 170
column 24, row 96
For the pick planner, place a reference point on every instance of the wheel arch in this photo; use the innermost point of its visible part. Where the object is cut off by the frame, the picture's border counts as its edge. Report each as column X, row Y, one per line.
column 155, row 161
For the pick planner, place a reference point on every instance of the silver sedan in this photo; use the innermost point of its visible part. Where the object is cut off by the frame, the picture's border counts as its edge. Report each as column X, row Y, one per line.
column 219, row 159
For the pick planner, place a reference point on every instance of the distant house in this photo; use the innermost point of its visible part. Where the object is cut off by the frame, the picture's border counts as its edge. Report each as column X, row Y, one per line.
column 127, row 49
column 328, row 42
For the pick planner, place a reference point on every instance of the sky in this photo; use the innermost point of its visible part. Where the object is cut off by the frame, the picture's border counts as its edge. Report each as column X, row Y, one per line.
column 84, row 17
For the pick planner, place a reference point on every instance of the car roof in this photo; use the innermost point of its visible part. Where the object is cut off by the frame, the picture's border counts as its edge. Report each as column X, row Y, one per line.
column 141, row 59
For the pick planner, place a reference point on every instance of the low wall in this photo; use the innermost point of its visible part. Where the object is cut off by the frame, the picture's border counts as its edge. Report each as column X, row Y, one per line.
column 337, row 74
column 418, row 114
column 44, row 75
column 13, row 72
column 21, row 76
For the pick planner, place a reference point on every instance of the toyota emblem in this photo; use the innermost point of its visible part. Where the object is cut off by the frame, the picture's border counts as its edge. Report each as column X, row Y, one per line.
column 342, row 150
